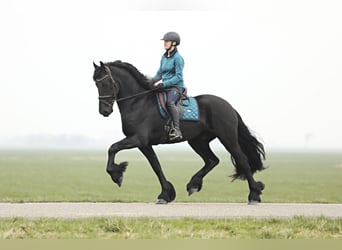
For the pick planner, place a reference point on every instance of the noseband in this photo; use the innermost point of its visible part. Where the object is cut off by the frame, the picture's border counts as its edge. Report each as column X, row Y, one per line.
column 104, row 98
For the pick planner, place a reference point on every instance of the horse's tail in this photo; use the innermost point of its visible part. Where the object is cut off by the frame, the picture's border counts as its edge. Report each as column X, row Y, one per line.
column 251, row 147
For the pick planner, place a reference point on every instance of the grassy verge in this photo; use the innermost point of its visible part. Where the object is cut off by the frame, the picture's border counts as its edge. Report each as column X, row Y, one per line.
column 147, row 228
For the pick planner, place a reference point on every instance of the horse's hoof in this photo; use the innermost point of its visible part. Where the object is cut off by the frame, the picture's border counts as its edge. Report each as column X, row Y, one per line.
column 120, row 180
column 161, row 202
column 253, row 202
column 192, row 190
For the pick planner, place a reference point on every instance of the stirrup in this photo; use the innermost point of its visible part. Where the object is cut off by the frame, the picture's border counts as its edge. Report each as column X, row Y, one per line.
column 175, row 135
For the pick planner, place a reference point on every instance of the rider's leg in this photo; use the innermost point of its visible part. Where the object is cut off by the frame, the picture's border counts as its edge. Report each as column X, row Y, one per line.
column 173, row 96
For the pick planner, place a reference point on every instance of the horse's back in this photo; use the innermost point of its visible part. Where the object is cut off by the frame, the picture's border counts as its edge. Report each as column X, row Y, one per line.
column 216, row 111
column 214, row 102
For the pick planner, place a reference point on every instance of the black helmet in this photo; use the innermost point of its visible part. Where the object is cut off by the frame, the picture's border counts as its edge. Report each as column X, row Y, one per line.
column 172, row 36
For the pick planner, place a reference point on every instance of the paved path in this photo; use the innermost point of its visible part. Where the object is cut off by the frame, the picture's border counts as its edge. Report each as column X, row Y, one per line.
column 172, row 210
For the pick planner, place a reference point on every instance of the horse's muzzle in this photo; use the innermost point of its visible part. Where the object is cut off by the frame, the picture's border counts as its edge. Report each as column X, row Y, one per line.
column 105, row 113
column 105, row 110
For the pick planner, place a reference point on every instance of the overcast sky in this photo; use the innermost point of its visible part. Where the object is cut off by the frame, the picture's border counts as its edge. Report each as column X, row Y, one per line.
column 279, row 63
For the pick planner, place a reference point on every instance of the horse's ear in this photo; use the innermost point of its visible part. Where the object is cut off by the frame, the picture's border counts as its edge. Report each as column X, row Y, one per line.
column 95, row 66
column 102, row 64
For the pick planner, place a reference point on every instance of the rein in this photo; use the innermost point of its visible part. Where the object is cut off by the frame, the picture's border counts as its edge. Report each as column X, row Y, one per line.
column 116, row 87
column 136, row 95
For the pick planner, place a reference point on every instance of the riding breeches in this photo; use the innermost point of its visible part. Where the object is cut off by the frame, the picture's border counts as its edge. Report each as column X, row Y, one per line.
column 173, row 95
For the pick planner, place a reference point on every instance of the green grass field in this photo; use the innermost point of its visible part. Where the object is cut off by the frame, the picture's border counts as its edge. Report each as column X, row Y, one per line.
column 80, row 176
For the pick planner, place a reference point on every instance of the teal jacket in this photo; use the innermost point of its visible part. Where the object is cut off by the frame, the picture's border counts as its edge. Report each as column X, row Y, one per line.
column 171, row 70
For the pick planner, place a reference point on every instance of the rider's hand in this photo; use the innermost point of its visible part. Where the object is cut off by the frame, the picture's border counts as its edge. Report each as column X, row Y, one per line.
column 159, row 85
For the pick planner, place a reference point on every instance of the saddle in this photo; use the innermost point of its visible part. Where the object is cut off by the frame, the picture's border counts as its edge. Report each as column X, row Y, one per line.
column 187, row 108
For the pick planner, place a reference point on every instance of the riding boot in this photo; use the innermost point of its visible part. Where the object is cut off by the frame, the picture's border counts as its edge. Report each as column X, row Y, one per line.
column 175, row 134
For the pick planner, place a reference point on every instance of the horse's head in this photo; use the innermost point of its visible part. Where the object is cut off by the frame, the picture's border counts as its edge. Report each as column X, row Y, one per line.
column 107, row 88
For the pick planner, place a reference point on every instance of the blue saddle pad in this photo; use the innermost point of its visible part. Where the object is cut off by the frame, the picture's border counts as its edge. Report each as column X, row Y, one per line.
column 190, row 109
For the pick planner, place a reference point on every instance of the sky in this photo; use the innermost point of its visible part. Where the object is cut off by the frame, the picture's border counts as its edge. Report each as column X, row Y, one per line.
column 279, row 63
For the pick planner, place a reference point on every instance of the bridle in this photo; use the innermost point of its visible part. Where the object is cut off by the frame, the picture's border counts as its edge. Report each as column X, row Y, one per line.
column 113, row 97
column 104, row 98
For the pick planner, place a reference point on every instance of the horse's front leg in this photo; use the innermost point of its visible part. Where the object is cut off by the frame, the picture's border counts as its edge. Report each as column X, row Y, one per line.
column 116, row 170
column 168, row 193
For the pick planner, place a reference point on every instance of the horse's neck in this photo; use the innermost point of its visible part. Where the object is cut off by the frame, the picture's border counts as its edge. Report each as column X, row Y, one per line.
column 128, row 85
column 131, row 103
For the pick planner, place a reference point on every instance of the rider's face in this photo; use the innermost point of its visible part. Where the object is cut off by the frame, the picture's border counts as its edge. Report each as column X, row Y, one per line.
column 167, row 45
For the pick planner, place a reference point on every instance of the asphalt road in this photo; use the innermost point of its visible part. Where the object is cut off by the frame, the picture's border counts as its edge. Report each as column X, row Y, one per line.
column 172, row 210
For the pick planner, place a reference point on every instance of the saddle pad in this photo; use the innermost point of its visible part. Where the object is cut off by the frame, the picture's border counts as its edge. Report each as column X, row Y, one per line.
column 189, row 105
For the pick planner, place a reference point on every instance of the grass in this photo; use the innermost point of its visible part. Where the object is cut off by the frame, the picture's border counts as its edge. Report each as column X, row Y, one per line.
column 147, row 228
column 80, row 176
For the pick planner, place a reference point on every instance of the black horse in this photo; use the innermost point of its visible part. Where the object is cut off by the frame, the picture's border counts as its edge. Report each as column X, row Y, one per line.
column 143, row 127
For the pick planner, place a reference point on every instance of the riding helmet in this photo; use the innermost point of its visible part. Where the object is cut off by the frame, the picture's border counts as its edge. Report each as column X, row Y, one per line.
column 172, row 36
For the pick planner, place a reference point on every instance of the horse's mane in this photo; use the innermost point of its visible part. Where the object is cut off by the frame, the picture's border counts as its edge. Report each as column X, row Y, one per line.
column 133, row 71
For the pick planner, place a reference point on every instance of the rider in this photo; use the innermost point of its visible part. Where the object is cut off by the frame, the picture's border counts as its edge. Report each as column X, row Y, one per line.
column 171, row 74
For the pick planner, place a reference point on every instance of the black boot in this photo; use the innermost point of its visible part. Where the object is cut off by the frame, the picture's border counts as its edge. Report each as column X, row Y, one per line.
column 175, row 133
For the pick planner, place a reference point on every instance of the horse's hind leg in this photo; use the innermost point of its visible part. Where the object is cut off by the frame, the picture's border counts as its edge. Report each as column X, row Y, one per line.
column 242, row 166
column 201, row 147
